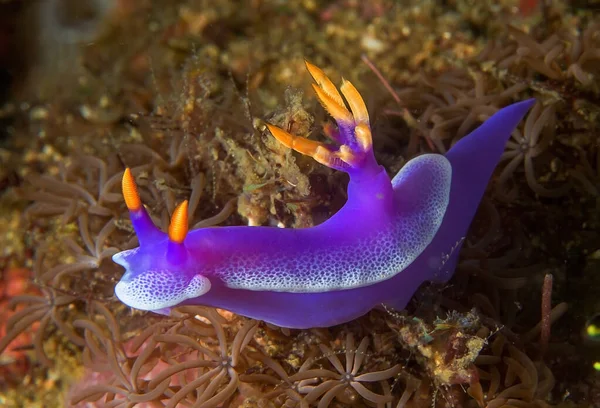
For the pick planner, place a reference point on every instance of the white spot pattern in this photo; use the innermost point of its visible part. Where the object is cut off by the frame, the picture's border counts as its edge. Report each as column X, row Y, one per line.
column 374, row 257
column 159, row 289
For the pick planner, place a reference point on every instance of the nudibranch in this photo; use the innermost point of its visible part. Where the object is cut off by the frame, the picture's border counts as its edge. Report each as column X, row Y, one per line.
column 390, row 236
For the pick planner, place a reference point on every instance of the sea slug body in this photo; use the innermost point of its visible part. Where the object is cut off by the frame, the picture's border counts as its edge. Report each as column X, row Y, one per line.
column 389, row 238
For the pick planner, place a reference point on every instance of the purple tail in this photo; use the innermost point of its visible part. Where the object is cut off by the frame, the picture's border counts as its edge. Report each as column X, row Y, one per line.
column 475, row 156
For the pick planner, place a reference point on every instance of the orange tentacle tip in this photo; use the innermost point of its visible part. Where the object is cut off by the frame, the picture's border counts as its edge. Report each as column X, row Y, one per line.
column 336, row 110
column 178, row 228
column 356, row 102
column 324, row 83
column 130, row 193
column 281, row 135
column 298, row 143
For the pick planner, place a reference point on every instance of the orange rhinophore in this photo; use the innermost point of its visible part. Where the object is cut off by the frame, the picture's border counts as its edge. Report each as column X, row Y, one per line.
column 130, row 193
column 178, row 228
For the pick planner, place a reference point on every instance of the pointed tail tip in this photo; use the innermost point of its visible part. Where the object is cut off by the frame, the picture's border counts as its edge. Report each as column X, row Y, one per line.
column 523, row 106
column 514, row 112
column 489, row 139
column 510, row 116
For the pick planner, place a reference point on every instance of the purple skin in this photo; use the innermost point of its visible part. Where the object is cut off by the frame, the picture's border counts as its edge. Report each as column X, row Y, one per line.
column 389, row 238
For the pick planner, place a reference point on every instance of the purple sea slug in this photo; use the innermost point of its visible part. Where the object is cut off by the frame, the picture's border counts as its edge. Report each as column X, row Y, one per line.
column 389, row 238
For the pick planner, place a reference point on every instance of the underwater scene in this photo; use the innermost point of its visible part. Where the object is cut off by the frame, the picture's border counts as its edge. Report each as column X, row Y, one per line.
column 304, row 203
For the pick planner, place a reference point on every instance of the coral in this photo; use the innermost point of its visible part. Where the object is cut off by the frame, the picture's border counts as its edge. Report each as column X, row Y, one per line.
column 46, row 310
column 559, row 56
column 80, row 280
column 324, row 378
column 452, row 104
column 455, row 102
column 527, row 146
column 512, row 378
column 346, row 382
column 177, row 361
column 198, row 356
column 584, row 50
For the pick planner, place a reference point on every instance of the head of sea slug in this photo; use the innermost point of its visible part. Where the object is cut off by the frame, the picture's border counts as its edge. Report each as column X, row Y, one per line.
column 160, row 273
column 154, row 281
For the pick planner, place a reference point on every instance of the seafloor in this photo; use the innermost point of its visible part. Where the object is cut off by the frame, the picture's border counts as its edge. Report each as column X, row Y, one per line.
column 180, row 90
